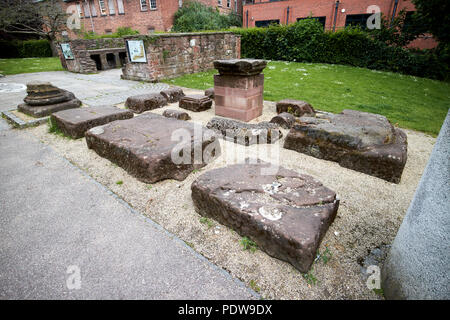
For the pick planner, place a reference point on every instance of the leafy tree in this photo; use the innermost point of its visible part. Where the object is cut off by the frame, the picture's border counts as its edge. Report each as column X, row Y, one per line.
column 435, row 17
column 195, row 16
column 44, row 19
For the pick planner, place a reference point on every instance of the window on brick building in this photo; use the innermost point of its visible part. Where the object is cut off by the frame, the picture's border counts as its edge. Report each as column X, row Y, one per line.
column 143, row 5
column 112, row 9
column 228, row 3
column 120, row 8
column 235, row 6
column 80, row 12
column 92, row 6
column 153, row 4
column 322, row 20
column 101, row 4
column 357, row 20
column 180, row 3
column 266, row 23
column 87, row 12
column 108, row 31
column 219, row 2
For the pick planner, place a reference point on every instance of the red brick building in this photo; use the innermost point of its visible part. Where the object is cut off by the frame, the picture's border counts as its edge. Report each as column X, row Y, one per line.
column 333, row 14
column 105, row 16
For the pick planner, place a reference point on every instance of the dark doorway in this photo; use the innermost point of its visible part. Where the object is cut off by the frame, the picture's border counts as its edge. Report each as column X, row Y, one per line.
column 123, row 58
column 111, row 60
column 98, row 61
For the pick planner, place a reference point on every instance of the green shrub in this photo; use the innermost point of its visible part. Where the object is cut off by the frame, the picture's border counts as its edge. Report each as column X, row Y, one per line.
column 305, row 41
column 25, row 49
column 195, row 16
column 120, row 32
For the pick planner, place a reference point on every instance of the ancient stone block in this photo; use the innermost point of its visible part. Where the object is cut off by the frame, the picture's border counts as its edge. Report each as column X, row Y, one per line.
column 195, row 103
column 145, row 102
column 286, row 213
column 210, row 93
column 245, row 133
column 177, row 114
column 43, row 99
column 173, row 94
column 75, row 122
column 285, row 120
column 153, row 148
column 296, row 107
column 243, row 67
column 360, row 141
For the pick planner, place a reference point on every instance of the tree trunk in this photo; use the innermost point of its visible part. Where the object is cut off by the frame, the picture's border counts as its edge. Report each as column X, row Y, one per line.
column 52, row 40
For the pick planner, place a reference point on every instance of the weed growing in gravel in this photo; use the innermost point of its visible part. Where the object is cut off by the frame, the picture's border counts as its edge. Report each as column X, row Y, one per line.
column 379, row 292
column 325, row 256
column 309, row 277
column 120, row 182
column 53, row 128
column 254, row 286
column 207, row 221
column 249, row 244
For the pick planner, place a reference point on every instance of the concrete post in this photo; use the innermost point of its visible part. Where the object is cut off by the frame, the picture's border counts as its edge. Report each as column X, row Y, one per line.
column 418, row 265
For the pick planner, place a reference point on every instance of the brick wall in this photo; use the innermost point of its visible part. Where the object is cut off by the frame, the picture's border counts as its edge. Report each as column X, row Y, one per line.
column 171, row 55
column 159, row 19
column 261, row 10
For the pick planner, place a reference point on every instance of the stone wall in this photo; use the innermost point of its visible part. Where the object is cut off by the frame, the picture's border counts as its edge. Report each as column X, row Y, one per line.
column 172, row 55
column 94, row 54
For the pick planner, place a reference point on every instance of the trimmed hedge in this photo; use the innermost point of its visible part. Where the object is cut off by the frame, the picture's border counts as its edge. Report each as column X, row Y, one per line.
column 25, row 49
column 305, row 41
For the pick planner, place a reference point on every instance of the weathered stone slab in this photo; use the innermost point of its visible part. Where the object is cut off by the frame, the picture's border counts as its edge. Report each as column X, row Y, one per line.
column 173, row 94
column 62, row 96
column 210, row 93
column 177, row 114
column 361, row 141
column 144, row 147
column 242, row 67
column 195, row 103
column 145, row 102
column 245, row 133
column 296, row 107
column 286, row 213
column 43, row 111
column 75, row 122
column 285, row 120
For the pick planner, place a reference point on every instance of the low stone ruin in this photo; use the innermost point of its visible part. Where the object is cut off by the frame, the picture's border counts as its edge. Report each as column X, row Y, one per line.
column 238, row 88
column 152, row 147
column 297, row 108
column 210, row 93
column 177, row 114
column 43, row 99
column 145, row 102
column 196, row 103
column 361, row 141
column 245, row 133
column 287, row 214
column 173, row 94
column 285, row 120
column 75, row 122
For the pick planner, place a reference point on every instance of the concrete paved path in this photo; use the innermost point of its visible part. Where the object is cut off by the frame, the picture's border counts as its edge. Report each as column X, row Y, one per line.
column 55, row 219
column 103, row 88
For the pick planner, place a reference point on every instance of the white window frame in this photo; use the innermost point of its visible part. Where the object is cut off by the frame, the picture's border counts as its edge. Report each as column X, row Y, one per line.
column 120, row 7
column 228, row 3
column 112, row 9
column 102, row 6
column 79, row 10
column 92, row 7
column 153, row 5
column 87, row 10
column 219, row 3
column 144, row 6
column 180, row 3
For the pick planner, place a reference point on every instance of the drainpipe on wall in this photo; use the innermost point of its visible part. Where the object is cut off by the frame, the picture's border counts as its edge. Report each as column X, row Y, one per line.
column 287, row 16
column 394, row 12
column 246, row 17
column 335, row 15
column 90, row 15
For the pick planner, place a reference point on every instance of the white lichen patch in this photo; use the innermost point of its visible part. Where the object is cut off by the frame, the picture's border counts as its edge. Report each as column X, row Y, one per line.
column 272, row 214
column 271, row 188
column 97, row 130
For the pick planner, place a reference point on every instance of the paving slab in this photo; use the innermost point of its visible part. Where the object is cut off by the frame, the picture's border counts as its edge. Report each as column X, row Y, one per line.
column 75, row 122
column 56, row 220
column 286, row 213
column 145, row 102
column 152, row 147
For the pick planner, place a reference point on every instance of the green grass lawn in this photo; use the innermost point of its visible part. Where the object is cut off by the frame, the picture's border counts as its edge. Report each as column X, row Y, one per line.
column 411, row 102
column 29, row 65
